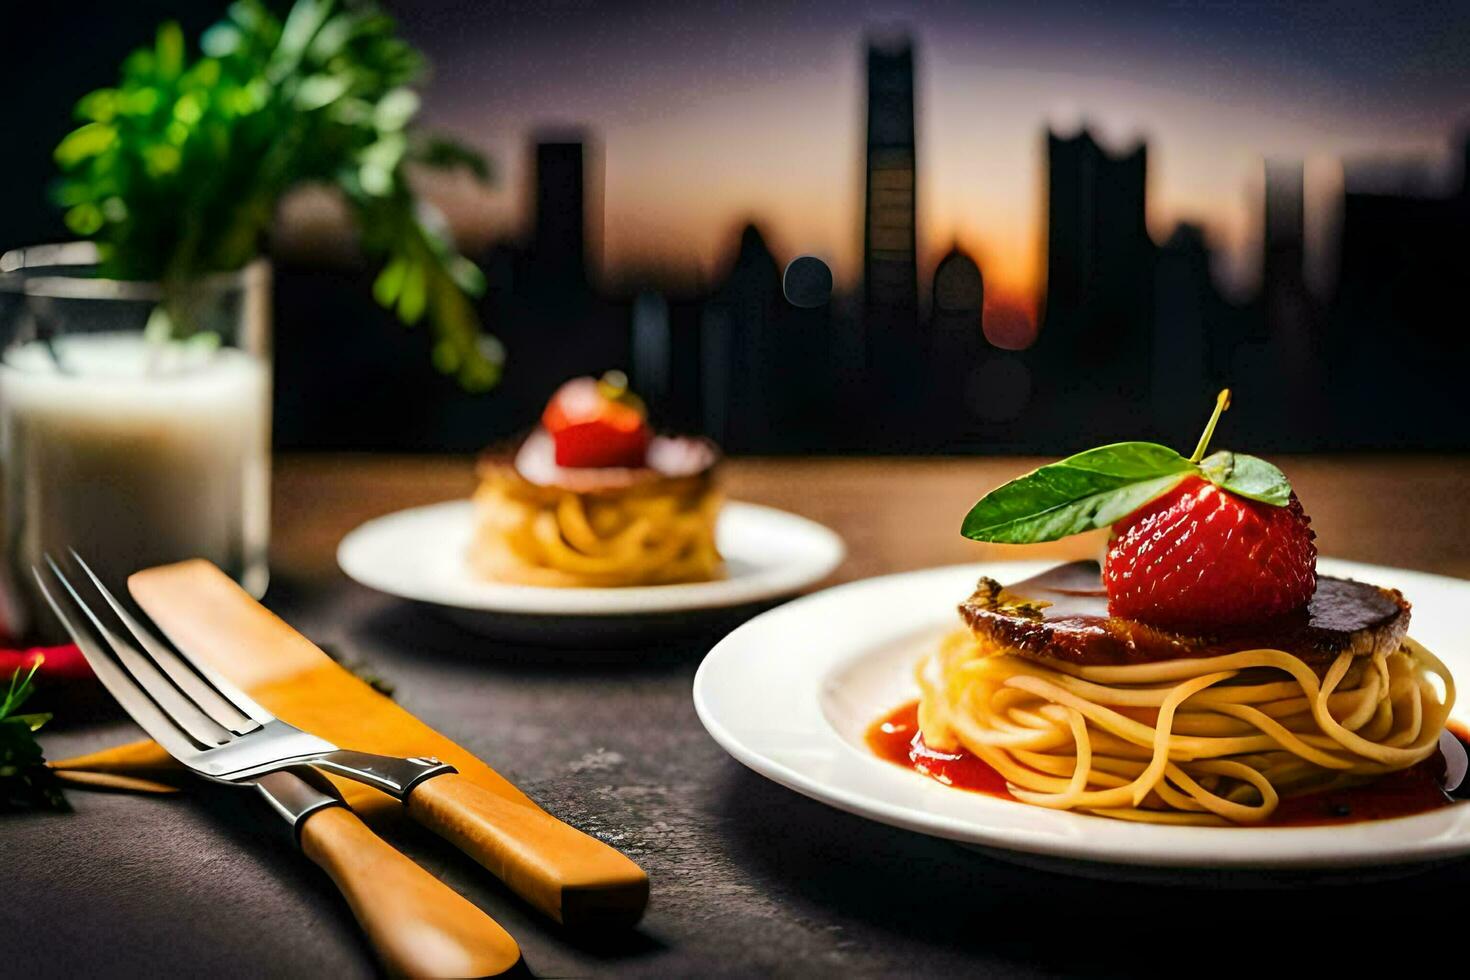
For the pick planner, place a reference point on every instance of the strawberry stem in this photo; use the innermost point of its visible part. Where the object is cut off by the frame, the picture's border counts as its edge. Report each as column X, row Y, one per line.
column 1222, row 402
column 613, row 385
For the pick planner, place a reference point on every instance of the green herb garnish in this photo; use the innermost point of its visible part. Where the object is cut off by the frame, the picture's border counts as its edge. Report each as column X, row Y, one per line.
column 1101, row 486
column 25, row 781
column 176, row 172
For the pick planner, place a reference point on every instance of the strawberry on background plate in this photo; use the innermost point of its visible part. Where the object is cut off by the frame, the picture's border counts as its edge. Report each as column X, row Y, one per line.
column 1200, row 543
column 597, row 423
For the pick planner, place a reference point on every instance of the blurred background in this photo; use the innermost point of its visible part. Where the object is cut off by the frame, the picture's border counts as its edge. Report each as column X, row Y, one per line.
column 1048, row 224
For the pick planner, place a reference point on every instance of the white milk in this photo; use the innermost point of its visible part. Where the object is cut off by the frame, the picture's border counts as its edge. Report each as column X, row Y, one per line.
column 134, row 454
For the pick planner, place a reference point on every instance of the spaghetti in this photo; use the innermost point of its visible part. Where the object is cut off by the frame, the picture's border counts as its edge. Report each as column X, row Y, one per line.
column 1209, row 740
column 651, row 532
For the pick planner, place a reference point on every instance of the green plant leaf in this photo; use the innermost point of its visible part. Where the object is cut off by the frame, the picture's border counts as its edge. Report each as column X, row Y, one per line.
column 22, row 683
column 466, row 275
column 85, row 219
column 177, row 168
column 442, row 153
column 395, row 109
column 413, row 298
column 99, row 106
column 25, row 781
column 1092, row 489
column 318, row 91
column 160, row 160
column 1247, row 476
column 169, row 48
column 389, row 284
column 222, row 40
column 302, row 23
column 33, row 721
column 83, row 142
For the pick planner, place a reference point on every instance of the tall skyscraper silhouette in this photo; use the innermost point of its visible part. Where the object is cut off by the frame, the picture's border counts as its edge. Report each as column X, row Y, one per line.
column 1186, row 306
column 956, row 345
column 1398, row 316
column 1098, row 250
column 1096, row 334
column 563, row 222
column 1284, row 220
column 1289, row 374
column 1465, row 165
column 1283, row 255
column 890, row 272
column 738, row 337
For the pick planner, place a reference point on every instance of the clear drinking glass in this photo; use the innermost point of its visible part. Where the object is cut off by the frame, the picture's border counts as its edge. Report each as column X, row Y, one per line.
column 134, row 431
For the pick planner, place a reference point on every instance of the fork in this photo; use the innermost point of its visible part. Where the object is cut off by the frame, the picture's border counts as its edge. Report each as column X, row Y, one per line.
column 417, row 925
column 218, row 731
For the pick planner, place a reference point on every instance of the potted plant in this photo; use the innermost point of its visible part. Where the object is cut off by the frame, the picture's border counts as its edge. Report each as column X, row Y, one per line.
column 135, row 386
column 176, row 171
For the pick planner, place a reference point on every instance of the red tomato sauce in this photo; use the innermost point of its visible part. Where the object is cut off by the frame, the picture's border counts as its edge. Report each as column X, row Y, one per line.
column 896, row 738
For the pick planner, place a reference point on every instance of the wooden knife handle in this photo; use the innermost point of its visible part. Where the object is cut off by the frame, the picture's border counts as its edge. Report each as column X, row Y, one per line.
column 576, row 879
column 419, row 926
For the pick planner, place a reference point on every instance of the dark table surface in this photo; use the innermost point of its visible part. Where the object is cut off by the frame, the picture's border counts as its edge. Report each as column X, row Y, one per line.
column 748, row 878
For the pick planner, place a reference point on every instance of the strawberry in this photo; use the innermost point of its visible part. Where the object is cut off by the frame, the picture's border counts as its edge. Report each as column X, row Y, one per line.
column 597, row 423
column 1200, row 558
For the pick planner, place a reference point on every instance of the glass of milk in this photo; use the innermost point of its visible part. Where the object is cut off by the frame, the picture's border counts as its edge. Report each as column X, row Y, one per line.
column 125, row 434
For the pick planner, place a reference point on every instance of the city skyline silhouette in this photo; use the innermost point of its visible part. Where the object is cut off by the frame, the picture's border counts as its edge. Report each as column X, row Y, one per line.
column 944, row 332
column 716, row 118
column 1135, row 335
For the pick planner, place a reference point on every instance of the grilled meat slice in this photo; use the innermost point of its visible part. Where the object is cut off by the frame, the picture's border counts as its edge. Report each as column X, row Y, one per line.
column 1062, row 615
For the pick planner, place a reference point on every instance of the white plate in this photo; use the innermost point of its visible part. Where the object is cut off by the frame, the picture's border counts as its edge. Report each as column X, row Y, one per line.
column 792, row 692
column 419, row 554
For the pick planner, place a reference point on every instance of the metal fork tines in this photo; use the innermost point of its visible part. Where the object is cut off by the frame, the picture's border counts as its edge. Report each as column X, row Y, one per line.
column 198, row 716
column 184, row 706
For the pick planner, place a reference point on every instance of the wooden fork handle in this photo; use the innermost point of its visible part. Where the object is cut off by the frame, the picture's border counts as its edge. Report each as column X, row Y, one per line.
column 576, row 879
column 419, row 926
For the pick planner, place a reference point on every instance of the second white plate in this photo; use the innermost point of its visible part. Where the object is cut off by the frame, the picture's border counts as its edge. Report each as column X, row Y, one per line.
column 419, row 554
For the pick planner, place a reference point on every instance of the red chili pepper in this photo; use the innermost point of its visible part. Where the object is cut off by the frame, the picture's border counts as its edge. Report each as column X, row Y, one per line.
column 63, row 664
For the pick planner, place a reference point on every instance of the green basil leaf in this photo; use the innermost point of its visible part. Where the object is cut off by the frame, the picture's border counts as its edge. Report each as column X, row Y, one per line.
column 1130, row 460
column 1247, row 476
column 1082, row 492
column 325, row 93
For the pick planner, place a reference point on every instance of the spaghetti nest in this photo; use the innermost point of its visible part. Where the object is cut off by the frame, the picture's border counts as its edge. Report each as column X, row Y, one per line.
column 653, row 532
column 1204, row 741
